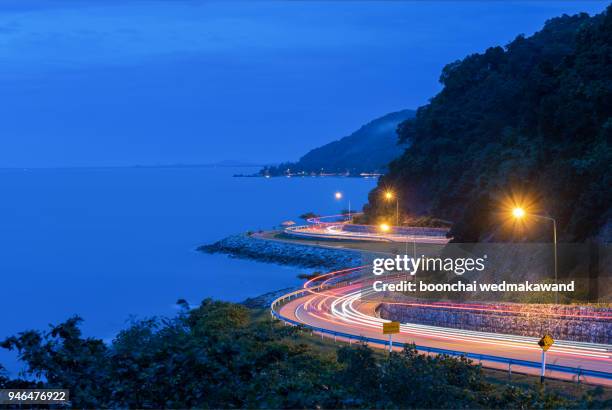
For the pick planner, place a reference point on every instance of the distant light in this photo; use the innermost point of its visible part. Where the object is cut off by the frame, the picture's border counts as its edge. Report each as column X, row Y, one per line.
column 389, row 195
column 518, row 213
column 384, row 227
column 338, row 195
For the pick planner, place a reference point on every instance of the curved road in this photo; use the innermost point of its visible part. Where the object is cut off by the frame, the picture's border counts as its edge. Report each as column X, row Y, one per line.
column 342, row 309
column 335, row 230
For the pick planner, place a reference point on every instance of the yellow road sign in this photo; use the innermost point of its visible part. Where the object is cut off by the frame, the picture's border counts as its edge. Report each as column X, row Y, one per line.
column 391, row 327
column 546, row 341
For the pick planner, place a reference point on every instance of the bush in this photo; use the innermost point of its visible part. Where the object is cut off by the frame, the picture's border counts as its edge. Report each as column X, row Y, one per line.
column 308, row 215
column 219, row 356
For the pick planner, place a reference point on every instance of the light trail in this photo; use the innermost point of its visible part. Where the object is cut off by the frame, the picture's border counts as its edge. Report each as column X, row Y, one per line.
column 338, row 302
column 344, row 308
column 334, row 229
column 350, row 314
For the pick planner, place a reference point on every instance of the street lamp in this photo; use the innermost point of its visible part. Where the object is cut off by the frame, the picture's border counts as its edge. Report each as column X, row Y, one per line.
column 384, row 227
column 389, row 195
column 338, row 195
column 519, row 213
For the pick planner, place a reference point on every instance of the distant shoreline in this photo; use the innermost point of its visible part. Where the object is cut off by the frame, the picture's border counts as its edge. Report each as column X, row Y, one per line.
column 341, row 175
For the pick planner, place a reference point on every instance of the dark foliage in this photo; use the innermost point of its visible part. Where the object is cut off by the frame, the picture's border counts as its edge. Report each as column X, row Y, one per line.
column 218, row 356
column 308, row 215
column 531, row 119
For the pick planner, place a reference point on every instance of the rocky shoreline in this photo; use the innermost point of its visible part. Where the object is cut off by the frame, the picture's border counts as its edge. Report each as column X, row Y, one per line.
column 246, row 246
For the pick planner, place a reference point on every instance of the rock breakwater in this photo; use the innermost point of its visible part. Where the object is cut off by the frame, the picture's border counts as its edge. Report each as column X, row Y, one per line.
column 285, row 253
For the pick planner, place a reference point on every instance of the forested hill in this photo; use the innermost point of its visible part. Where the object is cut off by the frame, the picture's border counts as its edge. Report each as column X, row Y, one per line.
column 369, row 149
column 531, row 120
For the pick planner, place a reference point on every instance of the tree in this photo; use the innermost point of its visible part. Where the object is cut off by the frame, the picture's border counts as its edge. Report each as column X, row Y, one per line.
column 534, row 114
column 219, row 355
column 308, row 215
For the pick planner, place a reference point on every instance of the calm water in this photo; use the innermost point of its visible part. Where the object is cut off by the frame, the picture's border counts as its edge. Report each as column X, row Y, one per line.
column 110, row 244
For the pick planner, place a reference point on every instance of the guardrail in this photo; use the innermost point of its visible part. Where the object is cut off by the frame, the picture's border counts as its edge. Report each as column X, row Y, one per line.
column 577, row 371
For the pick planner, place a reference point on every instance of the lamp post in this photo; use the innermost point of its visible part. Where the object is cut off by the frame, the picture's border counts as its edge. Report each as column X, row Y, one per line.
column 519, row 213
column 338, row 195
column 389, row 195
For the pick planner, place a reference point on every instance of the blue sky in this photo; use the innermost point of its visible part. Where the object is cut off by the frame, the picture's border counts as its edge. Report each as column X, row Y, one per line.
column 103, row 83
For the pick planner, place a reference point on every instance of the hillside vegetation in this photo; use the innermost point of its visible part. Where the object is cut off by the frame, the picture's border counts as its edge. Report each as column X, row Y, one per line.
column 529, row 122
column 221, row 355
column 369, row 149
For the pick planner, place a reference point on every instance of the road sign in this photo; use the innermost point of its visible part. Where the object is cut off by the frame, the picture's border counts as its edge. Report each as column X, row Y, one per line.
column 546, row 342
column 391, row 328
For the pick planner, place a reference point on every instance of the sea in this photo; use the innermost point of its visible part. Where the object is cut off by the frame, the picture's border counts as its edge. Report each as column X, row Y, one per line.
column 113, row 245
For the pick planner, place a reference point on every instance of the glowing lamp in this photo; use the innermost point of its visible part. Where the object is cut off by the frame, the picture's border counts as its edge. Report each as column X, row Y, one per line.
column 518, row 213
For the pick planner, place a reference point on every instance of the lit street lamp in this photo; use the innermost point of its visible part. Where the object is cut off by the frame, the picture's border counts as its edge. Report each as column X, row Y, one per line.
column 384, row 227
column 338, row 195
column 389, row 195
column 519, row 213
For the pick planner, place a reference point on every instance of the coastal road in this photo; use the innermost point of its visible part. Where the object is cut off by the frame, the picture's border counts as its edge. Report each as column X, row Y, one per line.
column 344, row 309
column 337, row 231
